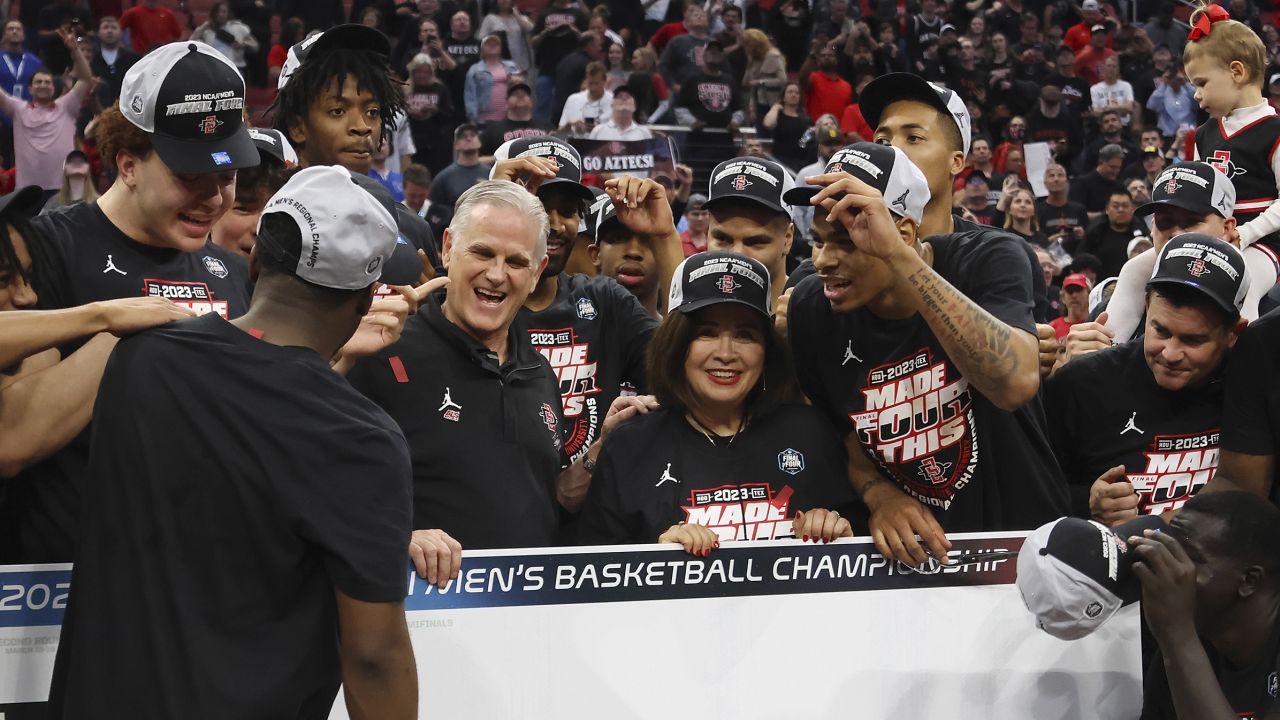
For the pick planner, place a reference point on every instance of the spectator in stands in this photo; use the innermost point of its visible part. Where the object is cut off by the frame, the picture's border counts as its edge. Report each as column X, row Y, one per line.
column 485, row 94
column 45, row 128
column 589, row 106
column 1074, row 299
column 672, row 30
column 710, row 98
column 1164, row 31
column 732, row 37
column 292, row 32
column 1173, row 102
column 1093, row 189
column 680, row 58
column 150, row 25
column 788, row 123
column 1090, row 59
column 1112, row 93
column 314, row 15
column 1111, row 133
column 461, row 45
column 111, row 60
column 1020, row 217
column 1062, row 220
column 65, row 15
column 555, row 36
column 1015, row 132
column 1079, row 36
column 465, row 171
column 392, row 181
column 19, row 65
column 621, row 124
column 975, row 199
column 417, row 188
column 923, row 27
column 1140, row 190
column 598, row 23
column 572, row 71
column 518, row 122
column 765, row 76
column 825, row 91
column 694, row 239
column 431, row 114
column 648, row 86
column 1053, row 123
column 77, row 182
column 619, row 66
column 227, row 35
column 1075, row 91
column 1108, row 238
column 505, row 19
column 789, row 23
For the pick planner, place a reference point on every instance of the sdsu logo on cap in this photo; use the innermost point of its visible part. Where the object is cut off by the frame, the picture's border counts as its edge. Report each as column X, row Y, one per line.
column 189, row 99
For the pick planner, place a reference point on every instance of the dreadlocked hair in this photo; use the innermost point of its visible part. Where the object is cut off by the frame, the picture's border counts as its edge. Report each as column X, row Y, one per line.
column 312, row 80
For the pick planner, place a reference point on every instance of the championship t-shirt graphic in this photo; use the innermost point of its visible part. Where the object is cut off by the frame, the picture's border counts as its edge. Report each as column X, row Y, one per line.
column 742, row 512
column 194, row 295
column 578, row 387
column 917, row 422
column 1177, row 466
column 715, row 96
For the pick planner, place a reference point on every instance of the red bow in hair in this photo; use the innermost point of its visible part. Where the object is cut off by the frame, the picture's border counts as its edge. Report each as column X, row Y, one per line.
column 1204, row 23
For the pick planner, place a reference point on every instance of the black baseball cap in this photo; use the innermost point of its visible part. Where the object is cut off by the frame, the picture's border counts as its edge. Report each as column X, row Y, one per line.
column 189, row 99
column 888, row 89
column 595, row 213
column 752, row 179
column 1203, row 262
column 568, row 161
column 274, row 144
column 24, row 202
column 519, row 87
column 708, row 278
column 883, row 167
column 1074, row 574
column 1197, row 187
column 351, row 36
column 624, row 89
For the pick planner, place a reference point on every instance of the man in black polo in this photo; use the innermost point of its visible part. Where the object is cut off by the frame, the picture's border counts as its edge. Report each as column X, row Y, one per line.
column 1136, row 427
column 243, row 542
column 477, row 403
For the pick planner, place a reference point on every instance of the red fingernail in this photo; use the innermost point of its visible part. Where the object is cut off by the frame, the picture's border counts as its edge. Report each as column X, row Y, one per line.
column 716, row 544
column 805, row 539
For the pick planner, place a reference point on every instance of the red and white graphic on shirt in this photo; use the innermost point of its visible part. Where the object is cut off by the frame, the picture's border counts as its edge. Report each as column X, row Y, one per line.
column 714, row 96
column 1221, row 159
column 195, row 295
column 917, row 422
column 1177, row 467
column 577, row 377
column 742, row 512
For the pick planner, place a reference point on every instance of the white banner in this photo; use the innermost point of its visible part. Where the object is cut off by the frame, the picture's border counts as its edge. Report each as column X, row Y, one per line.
column 757, row 630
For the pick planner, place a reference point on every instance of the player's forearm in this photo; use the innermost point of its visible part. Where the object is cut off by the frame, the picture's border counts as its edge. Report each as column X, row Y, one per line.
column 27, row 332
column 1192, row 682
column 1001, row 362
column 668, row 252
column 381, row 685
column 41, row 413
column 80, row 66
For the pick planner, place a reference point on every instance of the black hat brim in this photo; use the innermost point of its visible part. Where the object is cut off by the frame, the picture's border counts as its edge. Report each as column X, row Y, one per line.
column 1150, row 207
column 201, row 157
column 25, row 202
column 715, row 202
column 696, row 305
column 582, row 190
column 351, row 36
column 885, row 90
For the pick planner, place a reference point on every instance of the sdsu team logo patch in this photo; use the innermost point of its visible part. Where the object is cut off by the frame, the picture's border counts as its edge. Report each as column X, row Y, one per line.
column 1177, row 467
column 1197, row 268
column 740, row 183
column 586, row 310
column 742, row 512
column 194, row 295
column 215, row 267
column 917, row 423
column 727, row 284
column 791, row 461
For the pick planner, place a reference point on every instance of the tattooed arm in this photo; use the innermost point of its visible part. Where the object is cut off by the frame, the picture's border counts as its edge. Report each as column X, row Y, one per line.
column 1000, row 361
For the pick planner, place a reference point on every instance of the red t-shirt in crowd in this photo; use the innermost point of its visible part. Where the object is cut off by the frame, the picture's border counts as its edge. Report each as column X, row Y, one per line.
column 1077, row 37
column 666, row 34
column 827, row 95
column 1089, row 64
column 851, row 121
column 1061, row 326
column 150, row 27
column 277, row 55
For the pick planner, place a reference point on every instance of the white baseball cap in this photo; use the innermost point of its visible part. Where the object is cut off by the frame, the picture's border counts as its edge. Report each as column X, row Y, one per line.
column 347, row 237
column 883, row 167
column 189, row 99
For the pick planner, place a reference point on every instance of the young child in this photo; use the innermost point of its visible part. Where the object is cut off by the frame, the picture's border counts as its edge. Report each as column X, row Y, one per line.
column 1226, row 63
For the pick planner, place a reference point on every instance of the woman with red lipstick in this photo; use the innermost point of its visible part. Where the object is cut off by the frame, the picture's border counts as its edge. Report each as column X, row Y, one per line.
column 733, row 454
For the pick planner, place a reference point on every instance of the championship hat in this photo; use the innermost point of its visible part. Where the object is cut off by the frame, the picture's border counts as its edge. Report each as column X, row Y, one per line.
column 340, row 37
column 707, row 278
column 888, row 89
column 594, row 211
column 189, row 99
column 883, row 167
column 568, row 161
column 347, row 236
column 1213, row 267
column 1197, row 187
column 275, row 144
column 752, row 179
column 1074, row 574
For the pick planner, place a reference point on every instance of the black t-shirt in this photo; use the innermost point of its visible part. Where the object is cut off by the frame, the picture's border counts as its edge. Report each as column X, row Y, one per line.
column 711, row 98
column 1111, row 246
column 1253, row 394
column 594, row 334
column 1105, row 409
column 485, row 440
column 977, row 467
column 1093, row 191
column 498, row 132
column 657, row 469
column 1055, row 220
column 90, row 259
column 561, row 40
column 465, row 52
column 236, row 484
column 1250, row 691
column 1075, row 92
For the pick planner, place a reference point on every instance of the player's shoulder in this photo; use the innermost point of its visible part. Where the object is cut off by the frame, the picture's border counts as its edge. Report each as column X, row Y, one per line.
column 1098, row 368
column 639, row 434
column 59, row 224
